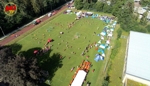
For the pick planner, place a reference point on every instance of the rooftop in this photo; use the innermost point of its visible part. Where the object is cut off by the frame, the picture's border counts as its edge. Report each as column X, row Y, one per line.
column 138, row 58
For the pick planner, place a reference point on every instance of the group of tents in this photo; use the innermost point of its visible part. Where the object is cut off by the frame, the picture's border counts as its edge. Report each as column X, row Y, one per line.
column 107, row 31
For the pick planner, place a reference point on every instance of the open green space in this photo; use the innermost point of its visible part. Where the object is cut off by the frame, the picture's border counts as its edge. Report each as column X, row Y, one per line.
column 77, row 38
column 133, row 83
column 117, row 64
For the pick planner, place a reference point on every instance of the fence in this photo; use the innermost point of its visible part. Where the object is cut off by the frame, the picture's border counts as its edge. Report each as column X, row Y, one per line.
column 32, row 21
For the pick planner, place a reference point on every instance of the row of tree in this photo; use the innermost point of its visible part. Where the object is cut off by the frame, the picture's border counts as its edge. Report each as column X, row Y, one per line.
column 122, row 9
column 26, row 11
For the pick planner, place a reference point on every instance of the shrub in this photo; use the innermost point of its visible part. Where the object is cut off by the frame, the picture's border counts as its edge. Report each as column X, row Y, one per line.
column 148, row 28
column 115, row 49
column 119, row 33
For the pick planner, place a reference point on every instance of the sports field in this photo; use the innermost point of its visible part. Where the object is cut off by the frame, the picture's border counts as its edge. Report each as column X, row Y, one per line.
column 66, row 49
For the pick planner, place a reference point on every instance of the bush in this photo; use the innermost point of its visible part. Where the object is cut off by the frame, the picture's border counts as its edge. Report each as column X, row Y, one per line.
column 115, row 49
column 148, row 28
column 119, row 33
column 106, row 81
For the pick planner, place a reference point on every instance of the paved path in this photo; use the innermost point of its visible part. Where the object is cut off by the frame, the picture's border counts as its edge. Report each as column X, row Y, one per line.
column 22, row 31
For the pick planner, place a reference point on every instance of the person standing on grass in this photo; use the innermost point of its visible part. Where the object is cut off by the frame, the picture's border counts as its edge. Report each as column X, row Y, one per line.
column 48, row 41
column 69, row 57
column 93, row 70
column 60, row 57
column 87, row 57
column 72, row 69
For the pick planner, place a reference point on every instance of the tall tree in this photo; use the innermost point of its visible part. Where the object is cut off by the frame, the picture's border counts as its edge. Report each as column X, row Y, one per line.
column 78, row 4
column 143, row 20
column 99, row 6
column 145, row 2
column 18, row 71
column 27, row 10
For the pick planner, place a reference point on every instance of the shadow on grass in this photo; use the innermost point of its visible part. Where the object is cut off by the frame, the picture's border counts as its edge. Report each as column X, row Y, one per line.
column 16, row 48
column 29, row 53
column 45, row 61
column 51, row 64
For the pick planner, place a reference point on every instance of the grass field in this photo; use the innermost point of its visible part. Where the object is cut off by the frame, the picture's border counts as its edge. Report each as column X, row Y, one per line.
column 116, row 70
column 59, row 69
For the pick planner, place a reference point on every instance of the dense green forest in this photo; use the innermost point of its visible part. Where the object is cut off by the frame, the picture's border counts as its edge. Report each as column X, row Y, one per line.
column 27, row 10
column 121, row 9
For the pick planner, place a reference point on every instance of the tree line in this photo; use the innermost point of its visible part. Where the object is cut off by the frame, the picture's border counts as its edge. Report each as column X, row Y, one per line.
column 27, row 10
column 123, row 10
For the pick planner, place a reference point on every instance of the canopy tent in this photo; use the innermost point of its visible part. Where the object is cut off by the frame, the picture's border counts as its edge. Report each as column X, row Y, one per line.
column 79, row 79
column 98, row 57
column 101, row 51
column 102, row 38
column 107, row 20
column 102, row 46
column 68, row 11
column 110, row 34
column 114, row 24
column 93, row 16
column 108, row 31
column 103, row 54
column 108, row 41
column 99, row 41
column 105, row 29
column 112, row 29
column 89, row 13
column 98, row 34
column 103, row 33
column 79, row 13
column 96, row 45
column 106, row 45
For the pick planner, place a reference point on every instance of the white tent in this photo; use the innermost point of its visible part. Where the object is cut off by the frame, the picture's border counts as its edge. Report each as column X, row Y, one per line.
column 99, row 41
column 79, row 13
column 79, row 79
column 111, row 29
column 68, row 11
column 108, row 42
column 103, row 55
column 102, row 38
column 96, row 45
column 110, row 34
column 90, row 13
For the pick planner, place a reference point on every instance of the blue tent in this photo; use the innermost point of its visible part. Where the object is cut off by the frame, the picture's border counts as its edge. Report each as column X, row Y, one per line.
column 93, row 16
column 98, row 57
column 98, row 34
column 101, row 51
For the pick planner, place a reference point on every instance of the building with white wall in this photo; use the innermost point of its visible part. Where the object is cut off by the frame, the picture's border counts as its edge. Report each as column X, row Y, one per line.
column 137, row 59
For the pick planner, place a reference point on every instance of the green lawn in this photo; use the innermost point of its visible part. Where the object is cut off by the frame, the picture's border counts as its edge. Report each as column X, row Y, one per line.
column 59, row 69
column 116, row 70
column 133, row 83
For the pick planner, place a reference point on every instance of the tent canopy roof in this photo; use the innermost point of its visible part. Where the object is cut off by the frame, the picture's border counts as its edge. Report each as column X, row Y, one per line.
column 79, row 78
